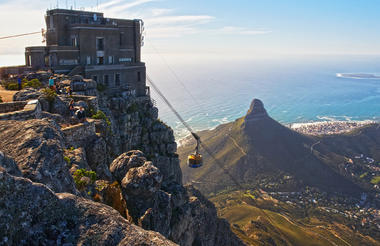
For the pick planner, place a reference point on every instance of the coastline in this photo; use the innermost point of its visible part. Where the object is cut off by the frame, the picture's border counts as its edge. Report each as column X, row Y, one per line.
column 328, row 127
column 316, row 128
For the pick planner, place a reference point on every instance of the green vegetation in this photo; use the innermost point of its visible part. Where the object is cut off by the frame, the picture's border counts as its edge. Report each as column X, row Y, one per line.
column 11, row 86
column 363, row 175
column 100, row 115
column 49, row 94
column 375, row 180
column 67, row 160
column 79, row 176
column 35, row 83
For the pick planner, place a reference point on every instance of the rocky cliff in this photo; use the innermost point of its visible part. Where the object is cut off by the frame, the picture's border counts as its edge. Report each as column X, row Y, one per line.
column 111, row 180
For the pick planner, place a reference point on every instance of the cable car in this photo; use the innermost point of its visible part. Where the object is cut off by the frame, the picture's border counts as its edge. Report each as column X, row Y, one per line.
column 195, row 160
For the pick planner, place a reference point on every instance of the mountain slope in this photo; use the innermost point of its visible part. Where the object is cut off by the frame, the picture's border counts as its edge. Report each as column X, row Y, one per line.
column 294, row 189
column 256, row 148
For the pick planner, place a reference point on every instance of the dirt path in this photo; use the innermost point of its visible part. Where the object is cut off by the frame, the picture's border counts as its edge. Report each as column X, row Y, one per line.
column 6, row 95
column 237, row 145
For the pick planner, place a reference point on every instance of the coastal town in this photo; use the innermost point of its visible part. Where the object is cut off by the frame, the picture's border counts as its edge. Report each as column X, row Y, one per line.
column 362, row 214
column 328, row 127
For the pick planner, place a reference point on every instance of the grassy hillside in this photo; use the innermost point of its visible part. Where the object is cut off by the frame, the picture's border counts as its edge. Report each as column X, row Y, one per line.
column 253, row 220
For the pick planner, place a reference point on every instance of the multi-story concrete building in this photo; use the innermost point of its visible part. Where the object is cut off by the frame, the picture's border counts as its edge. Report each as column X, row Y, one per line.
column 105, row 49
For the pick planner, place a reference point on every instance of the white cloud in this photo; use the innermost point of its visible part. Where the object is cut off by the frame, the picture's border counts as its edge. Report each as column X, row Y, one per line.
column 159, row 12
column 180, row 19
column 117, row 8
column 109, row 4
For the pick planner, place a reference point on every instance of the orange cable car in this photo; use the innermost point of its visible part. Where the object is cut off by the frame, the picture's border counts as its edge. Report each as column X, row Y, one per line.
column 195, row 160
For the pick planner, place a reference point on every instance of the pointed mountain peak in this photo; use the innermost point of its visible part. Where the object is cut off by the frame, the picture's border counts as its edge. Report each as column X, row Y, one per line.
column 256, row 111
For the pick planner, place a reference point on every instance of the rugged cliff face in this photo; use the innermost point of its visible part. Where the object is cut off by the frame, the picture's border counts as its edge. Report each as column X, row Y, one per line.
column 95, row 165
column 151, row 179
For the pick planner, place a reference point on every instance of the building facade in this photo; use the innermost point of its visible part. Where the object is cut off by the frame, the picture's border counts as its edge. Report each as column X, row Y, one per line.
column 105, row 49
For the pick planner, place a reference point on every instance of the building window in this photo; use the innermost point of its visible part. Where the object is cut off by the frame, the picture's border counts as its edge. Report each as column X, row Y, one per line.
column 138, row 76
column 95, row 78
column 99, row 43
column 29, row 60
column 88, row 60
column 121, row 38
column 100, row 60
column 117, row 79
column 110, row 60
column 74, row 41
column 106, row 80
column 125, row 59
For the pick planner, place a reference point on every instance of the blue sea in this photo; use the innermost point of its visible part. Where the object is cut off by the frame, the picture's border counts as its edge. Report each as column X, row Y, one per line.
column 209, row 90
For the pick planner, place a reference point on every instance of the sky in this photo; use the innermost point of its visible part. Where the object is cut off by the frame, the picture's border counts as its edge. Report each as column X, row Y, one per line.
column 217, row 28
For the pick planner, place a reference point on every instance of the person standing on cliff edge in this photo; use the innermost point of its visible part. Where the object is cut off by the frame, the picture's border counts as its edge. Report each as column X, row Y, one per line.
column 19, row 82
column 81, row 114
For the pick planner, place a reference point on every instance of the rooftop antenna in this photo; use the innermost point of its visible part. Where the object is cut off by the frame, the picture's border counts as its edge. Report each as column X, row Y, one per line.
column 57, row 4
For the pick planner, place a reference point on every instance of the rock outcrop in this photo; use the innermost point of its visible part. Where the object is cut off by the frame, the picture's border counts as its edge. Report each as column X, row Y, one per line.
column 37, row 148
column 179, row 213
column 256, row 111
column 31, row 214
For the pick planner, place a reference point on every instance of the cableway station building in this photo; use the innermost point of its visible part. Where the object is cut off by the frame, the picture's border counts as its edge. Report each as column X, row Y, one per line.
column 107, row 50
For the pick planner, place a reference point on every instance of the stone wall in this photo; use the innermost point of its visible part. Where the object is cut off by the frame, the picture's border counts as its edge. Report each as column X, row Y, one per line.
column 11, row 106
column 85, row 87
column 77, row 135
column 91, row 101
column 19, row 111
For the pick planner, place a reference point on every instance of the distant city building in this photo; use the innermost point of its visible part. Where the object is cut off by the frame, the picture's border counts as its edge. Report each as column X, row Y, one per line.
column 80, row 42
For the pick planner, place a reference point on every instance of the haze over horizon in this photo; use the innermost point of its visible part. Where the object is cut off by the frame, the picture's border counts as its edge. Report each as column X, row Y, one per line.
column 216, row 29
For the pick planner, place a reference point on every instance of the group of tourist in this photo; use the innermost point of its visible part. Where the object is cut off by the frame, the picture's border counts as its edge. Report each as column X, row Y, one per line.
column 79, row 113
column 59, row 88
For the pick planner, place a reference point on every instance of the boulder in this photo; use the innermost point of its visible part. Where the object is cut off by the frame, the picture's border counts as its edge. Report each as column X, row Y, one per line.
column 59, row 106
column 27, row 94
column 120, row 166
column 142, row 181
column 44, row 218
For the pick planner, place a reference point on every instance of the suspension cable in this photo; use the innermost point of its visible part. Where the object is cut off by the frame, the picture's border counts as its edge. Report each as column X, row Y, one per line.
column 20, row 35
column 208, row 151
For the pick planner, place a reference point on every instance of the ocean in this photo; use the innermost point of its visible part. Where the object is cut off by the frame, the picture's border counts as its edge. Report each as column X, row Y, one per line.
column 209, row 90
